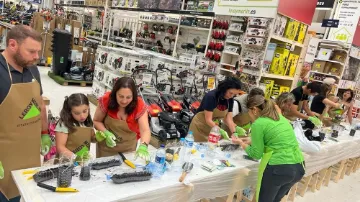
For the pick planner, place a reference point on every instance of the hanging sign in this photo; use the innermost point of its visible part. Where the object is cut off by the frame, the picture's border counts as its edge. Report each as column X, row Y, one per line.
column 325, row 4
column 347, row 12
column 254, row 8
column 302, row 11
column 312, row 50
column 356, row 40
column 330, row 23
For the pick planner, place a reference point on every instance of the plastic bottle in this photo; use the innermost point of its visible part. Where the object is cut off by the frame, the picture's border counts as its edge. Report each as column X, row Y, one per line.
column 213, row 139
column 189, row 143
column 160, row 162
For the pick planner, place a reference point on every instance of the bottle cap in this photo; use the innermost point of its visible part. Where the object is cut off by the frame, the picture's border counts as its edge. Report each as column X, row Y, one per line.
column 190, row 132
column 182, row 139
column 162, row 146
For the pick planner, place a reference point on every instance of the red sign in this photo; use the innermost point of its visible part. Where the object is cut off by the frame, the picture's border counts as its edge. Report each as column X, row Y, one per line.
column 356, row 39
column 302, row 11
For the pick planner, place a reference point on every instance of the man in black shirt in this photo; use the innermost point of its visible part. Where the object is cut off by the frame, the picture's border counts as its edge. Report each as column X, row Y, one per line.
column 301, row 95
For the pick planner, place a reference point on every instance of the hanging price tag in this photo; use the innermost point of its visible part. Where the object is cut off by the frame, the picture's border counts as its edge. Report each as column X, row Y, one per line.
column 146, row 81
column 163, row 77
column 211, row 83
column 189, row 81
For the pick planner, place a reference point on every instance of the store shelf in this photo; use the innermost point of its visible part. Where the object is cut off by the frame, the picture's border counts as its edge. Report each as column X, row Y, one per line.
column 249, row 71
column 330, row 75
column 314, row 80
column 227, row 70
column 225, row 64
column 237, row 20
column 274, row 76
column 121, row 44
column 194, row 28
column 238, row 31
column 94, row 38
column 283, row 39
column 7, row 25
column 332, row 61
column 230, row 53
column 159, row 22
column 78, row 6
column 234, row 42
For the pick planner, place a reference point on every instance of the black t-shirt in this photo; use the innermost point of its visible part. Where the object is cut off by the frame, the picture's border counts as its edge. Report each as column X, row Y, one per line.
column 317, row 104
column 17, row 77
column 299, row 95
column 213, row 100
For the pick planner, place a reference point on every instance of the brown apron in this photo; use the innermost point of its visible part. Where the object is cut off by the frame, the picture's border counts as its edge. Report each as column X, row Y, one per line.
column 79, row 141
column 20, row 132
column 199, row 127
column 125, row 138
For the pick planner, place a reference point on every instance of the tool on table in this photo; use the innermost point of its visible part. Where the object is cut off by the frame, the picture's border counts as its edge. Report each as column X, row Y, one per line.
column 56, row 189
column 187, row 167
column 127, row 162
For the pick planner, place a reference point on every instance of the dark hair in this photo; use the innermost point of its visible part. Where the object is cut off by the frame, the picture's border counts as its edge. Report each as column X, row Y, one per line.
column 315, row 87
column 351, row 95
column 123, row 82
column 256, row 91
column 20, row 32
column 66, row 118
column 228, row 83
column 325, row 88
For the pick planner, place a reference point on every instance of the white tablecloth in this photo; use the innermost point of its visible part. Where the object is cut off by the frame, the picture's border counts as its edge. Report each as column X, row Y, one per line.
column 198, row 184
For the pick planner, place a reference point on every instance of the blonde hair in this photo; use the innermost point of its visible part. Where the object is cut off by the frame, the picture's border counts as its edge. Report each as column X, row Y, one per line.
column 267, row 107
column 284, row 98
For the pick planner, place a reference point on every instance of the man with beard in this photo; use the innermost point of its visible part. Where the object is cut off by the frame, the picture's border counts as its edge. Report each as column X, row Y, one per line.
column 22, row 110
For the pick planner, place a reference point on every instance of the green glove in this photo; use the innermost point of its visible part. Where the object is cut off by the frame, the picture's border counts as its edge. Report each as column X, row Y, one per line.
column 239, row 132
column 1, row 171
column 143, row 153
column 315, row 120
column 45, row 144
column 110, row 139
column 99, row 136
column 247, row 126
column 224, row 134
column 84, row 157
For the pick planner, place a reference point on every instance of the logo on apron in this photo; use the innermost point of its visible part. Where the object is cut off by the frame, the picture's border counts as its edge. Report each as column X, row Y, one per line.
column 80, row 151
column 31, row 111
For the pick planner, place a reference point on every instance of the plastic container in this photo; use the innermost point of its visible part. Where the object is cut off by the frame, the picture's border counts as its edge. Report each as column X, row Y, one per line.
column 65, row 175
column 160, row 158
column 213, row 140
column 189, row 143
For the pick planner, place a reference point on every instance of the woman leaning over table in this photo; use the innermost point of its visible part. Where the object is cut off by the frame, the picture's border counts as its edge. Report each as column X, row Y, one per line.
column 274, row 142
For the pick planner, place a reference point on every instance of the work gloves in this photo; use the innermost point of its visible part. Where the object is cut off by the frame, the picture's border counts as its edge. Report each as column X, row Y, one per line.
column 108, row 136
column 316, row 121
column 239, row 132
column 1, row 171
column 143, row 153
column 224, row 134
column 45, row 144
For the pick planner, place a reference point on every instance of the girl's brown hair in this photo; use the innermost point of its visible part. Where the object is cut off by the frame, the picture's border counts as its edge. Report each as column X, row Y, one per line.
column 66, row 117
column 267, row 107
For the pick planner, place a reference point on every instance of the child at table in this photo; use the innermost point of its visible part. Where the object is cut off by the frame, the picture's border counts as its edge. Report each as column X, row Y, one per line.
column 74, row 131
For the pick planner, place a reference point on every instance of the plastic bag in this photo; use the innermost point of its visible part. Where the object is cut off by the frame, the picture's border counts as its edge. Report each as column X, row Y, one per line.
column 305, row 145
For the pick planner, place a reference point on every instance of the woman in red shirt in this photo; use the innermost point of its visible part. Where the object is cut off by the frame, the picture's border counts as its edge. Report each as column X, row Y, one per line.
column 122, row 119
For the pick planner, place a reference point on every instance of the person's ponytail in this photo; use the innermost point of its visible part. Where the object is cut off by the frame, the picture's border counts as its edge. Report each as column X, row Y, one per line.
column 269, row 110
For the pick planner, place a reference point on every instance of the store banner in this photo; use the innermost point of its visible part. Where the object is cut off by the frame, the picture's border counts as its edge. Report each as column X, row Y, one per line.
column 252, row 8
column 302, row 11
column 356, row 40
column 325, row 4
column 347, row 12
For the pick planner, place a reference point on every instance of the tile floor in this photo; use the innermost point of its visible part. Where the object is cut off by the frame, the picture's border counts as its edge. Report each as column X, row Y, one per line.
column 344, row 191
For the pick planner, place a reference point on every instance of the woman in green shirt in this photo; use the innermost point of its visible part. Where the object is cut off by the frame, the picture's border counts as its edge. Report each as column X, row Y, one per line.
column 274, row 142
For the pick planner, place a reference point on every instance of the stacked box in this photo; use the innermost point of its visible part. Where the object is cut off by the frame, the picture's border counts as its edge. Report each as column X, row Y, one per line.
column 291, row 65
column 292, row 28
column 268, row 88
column 279, row 63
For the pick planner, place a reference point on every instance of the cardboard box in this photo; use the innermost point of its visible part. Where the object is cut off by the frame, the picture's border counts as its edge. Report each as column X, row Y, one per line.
column 276, row 87
column 292, row 29
column 284, row 89
column 301, row 33
column 324, row 54
column 339, row 56
column 270, row 52
column 282, row 52
column 268, row 88
column 291, row 64
column 275, row 93
column 327, row 67
column 318, row 66
column 335, row 70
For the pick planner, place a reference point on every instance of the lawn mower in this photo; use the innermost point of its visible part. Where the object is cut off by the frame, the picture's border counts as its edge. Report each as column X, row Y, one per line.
column 162, row 123
column 189, row 102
